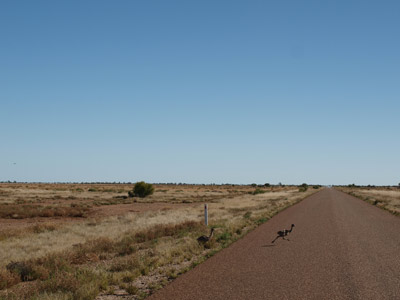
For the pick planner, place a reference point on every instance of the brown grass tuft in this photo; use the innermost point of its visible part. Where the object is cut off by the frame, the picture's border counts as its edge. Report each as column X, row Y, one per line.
column 8, row 279
column 161, row 230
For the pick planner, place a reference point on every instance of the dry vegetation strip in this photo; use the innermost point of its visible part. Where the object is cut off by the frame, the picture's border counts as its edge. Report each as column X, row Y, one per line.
column 15, row 211
column 133, row 254
column 387, row 198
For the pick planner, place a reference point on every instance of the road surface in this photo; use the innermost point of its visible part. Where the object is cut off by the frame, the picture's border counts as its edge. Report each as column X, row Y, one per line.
column 340, row 248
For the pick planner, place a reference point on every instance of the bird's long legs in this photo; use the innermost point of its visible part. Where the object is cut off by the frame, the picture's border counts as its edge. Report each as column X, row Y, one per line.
column 276, row 238
column 279, row 236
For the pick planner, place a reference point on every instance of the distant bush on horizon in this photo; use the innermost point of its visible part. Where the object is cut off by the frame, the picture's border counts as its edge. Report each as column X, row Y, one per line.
column 141, row 189
column 303, row 187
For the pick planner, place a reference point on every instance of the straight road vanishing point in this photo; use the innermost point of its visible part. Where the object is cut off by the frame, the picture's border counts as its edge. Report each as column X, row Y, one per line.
column 341, row 248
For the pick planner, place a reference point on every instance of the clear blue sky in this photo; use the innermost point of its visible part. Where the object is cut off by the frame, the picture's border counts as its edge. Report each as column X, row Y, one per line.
column 200, row 91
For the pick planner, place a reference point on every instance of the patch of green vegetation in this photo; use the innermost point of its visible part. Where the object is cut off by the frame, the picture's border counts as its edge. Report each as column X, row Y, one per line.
column 261, row 220
column 141, row 189
column 224, row 238
column 303, row 188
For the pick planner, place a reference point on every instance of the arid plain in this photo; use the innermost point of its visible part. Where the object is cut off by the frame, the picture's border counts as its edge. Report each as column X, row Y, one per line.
column 88, row 241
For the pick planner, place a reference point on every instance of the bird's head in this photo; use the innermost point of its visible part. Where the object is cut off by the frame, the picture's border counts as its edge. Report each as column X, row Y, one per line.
column 292, row 225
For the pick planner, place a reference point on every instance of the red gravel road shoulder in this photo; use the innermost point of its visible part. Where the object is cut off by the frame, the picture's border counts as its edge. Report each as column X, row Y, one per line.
column 340, row 248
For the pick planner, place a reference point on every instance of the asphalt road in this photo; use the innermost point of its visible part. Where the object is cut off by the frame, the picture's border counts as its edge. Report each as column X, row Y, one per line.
column 340, row 248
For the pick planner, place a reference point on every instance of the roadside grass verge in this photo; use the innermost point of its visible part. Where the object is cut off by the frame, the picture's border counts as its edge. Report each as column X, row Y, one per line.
column 385, row 198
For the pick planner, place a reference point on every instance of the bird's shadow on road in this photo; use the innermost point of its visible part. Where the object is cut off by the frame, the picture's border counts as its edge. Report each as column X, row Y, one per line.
column 267, row 246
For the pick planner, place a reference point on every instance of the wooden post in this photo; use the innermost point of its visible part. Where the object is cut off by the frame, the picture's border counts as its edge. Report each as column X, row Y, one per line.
column 206, row 214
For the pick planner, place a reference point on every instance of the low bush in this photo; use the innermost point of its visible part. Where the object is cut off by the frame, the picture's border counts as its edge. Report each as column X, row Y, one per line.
column 261, row 221
column 141, row 189
column 303, row 187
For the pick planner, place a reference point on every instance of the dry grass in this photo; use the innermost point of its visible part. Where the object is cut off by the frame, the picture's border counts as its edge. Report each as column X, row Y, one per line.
column 23, row 211
column 89, row 193
column 384, row 197
column 134, row 252
column 8, row 279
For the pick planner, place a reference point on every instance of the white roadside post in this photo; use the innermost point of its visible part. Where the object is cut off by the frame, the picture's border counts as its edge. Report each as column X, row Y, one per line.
column 206, row 214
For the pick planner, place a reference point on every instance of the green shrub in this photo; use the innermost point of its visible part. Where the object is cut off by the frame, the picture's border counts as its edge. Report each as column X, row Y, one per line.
column 141, row 189
column 261, row 221
column 303, row 187
column 224, row 237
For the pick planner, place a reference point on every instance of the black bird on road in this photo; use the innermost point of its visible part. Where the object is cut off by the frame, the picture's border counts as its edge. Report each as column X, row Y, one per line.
column 283, row 233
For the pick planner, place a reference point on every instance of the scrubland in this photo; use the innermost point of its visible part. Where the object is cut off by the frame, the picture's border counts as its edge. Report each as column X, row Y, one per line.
column 118, row 246
column 387, row 198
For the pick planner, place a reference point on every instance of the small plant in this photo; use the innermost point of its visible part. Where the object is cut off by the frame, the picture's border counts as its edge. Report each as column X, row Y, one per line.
column 261, row 221
column 131, row 289
column 247, row 215
column 267, row 185
column 224, row 237
column 141, row 189
column 254, row 184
